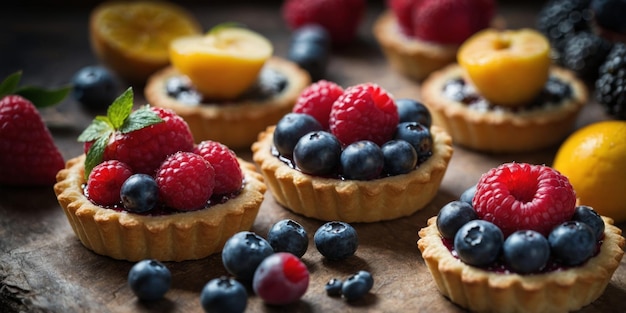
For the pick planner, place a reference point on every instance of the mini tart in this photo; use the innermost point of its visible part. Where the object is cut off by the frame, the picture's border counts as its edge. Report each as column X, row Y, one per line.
column 352, row 201
column 484, row 291
column 502, row 130
column 172, row 237
column 237, row 123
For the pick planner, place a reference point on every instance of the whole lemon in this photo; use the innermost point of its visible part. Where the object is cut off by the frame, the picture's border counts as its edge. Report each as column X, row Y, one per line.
column 594, row 160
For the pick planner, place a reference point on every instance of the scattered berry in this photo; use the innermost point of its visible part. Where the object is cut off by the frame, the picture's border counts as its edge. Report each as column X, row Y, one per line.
column 572, row 243
column 317, row 153
column 584, row 52
column 399, row 157
column 288, row 236
column 526, row 251
column 333, row 287
column 610, row 92
column 362, row 160
column 478, row 242
column 609, row 14
column 310, row 49
column 105, row 182
column 357, row 286
column 587, row 215
column 186, row 181
column 224, row 295
column 336, row 240
column 367, row 277
column 453, row 216
column 139, row 193
column 228, row 173
column 290, row 128
column 149, row 280
column 317, row 100
column 419, row 137
column 95, row 87
column 243, row 252
column 468, row 195
column 560, row 19
column 520, row 196
column 410, row 110
column 364, row 112
column 280, row 279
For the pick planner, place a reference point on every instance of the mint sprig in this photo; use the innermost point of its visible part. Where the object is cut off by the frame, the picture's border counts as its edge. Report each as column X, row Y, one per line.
column 40, row 97
column 120, row 117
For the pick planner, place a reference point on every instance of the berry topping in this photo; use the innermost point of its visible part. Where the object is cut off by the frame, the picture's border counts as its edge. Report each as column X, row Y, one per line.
column 403, row 10
column 186, row 181
column 572, row 243
column 453, row 216
column 224, row 295
column 105, row 182
column 290, row 128
column 317, row 153
column 288, row 236
column 310, row 49
column 399, row 157
column 362, row 160
column 149, row 280
column 243, row 252
column 520, row 196
column 526, row 251
column 95, row 87
column 364, row 112
column 281, row 279
column 228, row 174
column 589, row 216
column 410, row 110
column 418, row 136
column 317, row 100
column 609, row 86
column 468, row 195
column 478, row 242
column 336, row 240
column 139, row 193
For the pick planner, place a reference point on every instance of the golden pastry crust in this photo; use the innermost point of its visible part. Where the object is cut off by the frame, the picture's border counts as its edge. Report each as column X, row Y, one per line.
column 483, row 291
column 501, row 131
column 234, row 124
column 352, row 200
column 411, row 57
column 173, row 237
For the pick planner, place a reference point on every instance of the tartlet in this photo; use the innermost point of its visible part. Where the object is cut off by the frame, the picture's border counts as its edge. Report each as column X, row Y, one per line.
column 167, row 237
column 331, row 199
column 235, row 123
column 486, row 291
column 490, row 128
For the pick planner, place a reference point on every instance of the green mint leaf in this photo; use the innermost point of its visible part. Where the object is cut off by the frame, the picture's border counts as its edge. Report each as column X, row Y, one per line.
column 95, row 154
column 98, row 128
column 41, row 97
column 9, row 84
column 142, row 117
column 215, row 29
column 121, row 108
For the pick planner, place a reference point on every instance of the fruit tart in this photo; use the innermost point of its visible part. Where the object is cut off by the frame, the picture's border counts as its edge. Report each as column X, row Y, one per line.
column 504, row 95
column 521, row 244
column 354, row 154
column 419, row 37
column 227, row 85
column 143, row 189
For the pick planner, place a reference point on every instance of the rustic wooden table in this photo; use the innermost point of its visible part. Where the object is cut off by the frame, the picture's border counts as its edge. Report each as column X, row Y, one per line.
column 44, row 268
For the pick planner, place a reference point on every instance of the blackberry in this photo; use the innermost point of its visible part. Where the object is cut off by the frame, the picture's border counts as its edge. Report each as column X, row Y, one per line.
column 559, row 19
column 609, row 14
column 610, row 91
column 584, row 52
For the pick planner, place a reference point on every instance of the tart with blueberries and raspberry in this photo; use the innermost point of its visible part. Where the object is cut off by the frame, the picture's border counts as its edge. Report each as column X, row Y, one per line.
column 519, row 242
column 504, row 95
column 226, row 85
column 353, row 154
column 144, row 190
column 420, row 37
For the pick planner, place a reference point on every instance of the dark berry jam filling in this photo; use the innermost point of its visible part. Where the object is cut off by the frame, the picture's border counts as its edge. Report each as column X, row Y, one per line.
column 269, row 84
column 553, row 93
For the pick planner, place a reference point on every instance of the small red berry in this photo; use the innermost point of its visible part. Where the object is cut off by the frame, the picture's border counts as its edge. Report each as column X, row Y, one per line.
column 317, row 99
column 228, row 173
column 105, row 182
column 186, row 181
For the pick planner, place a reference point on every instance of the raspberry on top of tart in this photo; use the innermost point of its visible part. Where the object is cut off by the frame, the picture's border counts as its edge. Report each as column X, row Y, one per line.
column 504, row 95
column 226, row 84
column 353, row 154
column 518, row 242
column 143, row 189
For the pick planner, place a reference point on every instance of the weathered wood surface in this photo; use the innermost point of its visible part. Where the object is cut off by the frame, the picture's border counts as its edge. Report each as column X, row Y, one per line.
column 44, row 268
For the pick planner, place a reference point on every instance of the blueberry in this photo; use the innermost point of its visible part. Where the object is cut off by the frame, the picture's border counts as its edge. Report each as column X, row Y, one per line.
column 224, row 295
column 453, row 216
column 139, row 193
column 468, row 195
column 310, row 49
column 288, row 236
column 312, row 33
column 478, row 242
column 572, row 243
column 281, row 279
column 336, row 240
column 290, row 128
column 587, row 215
column 609, row 14
column 410, row 110
column 317, row 153
column 149, row 279
column 180, row 88
column 399, row 157
column 367, row 276
column 243, row 252
column 362, row 160
column 356, row 286
column 95, row 87
column 333, row 287
column 526, row 251
column 417, row 135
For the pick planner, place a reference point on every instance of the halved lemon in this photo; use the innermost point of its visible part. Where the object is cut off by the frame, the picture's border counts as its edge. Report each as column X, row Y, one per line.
column 132, row 38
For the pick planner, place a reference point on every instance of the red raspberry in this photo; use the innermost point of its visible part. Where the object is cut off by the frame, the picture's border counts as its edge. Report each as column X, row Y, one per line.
column 105, row 182
column 317, row 99
column 364, row 112
column 228, row 173
column 451, row 21
column 186, row 181
column 520, row 196
column 403, row 10
column 145, row 149
column 341, row 18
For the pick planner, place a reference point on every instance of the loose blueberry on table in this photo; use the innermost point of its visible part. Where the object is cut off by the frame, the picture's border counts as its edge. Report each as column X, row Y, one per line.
column 149, row 280
column 336, row 240
column 224, row 295
column 243, row 252
column 288, row 235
